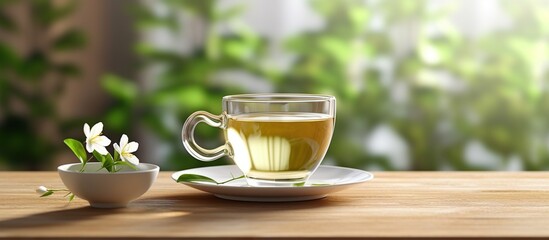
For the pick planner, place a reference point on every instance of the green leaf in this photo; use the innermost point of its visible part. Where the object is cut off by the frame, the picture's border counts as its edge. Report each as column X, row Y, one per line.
column 118, row 117
column 301, row 184
column 232, row 179
column 200, row 178
column 70, row 40
column 8, row 57
column 116, row 156
column 230, row 13
column 145, row 18
column 5, row 90
column 98, row 156
column 78, row 149
column 68, row 69
column 120, row 88
column 46, row 12
column 6, row 22
column 109, row 162
column 34, row 66
column 47, row 193
column 71, row 197
column 126, row 164
column 106, row 160
column 195, row 178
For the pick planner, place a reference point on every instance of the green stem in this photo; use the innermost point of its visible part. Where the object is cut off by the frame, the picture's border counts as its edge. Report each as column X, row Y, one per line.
column 232, row 179
column 59, row 190
column 84, row 164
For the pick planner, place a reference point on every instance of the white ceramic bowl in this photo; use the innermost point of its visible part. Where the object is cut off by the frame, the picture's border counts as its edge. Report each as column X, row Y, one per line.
column 103, row 189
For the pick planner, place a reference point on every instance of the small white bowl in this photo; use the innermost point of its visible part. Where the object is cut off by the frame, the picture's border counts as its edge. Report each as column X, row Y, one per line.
column 104, row 189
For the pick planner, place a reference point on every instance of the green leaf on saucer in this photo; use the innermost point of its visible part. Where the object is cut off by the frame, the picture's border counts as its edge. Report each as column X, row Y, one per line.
column 200, row 178
column 301, row 184
column 78, row 149
column 195, row 178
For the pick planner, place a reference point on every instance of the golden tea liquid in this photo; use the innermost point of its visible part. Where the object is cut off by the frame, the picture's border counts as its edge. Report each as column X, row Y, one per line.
column 279, row 146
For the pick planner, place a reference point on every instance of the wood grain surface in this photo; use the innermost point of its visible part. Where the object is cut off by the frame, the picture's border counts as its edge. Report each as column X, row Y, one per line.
column 394, row 204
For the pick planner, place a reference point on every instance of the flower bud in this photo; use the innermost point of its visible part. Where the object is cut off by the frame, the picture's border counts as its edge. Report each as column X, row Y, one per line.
column 41, row 190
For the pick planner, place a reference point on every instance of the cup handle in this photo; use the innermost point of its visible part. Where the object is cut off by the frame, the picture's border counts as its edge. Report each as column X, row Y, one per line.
column 187, row 136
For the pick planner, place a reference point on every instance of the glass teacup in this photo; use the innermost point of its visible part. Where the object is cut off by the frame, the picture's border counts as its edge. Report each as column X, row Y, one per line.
column 274, row 139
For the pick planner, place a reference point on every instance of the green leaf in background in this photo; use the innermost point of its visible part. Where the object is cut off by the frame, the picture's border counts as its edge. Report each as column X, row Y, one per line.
column 68, row 69
column 34, row 66
column 8, row 57
column 231, row 12
column 5, row 89
column 120, row 88
column 6, row 23
column 31, row 78
column 78, row 149
column 70, row 40
column 146, row 19
column 46, row 12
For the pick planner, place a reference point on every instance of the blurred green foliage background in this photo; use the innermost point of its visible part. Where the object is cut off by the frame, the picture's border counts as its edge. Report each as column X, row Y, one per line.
column 452, row 101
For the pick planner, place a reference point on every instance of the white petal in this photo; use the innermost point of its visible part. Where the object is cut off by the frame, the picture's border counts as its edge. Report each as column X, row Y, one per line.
column 96, row 129
column 89, row 147
column 132, row 159
column 102, row 140
column 123, row 141
column 100, row 149
column 131, row 147
column 116, row 148
column 87, row 130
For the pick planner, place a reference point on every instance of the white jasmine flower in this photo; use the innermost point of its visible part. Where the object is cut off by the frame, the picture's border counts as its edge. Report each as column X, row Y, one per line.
column 41, row 190
column 126, row 150
column 94, row 139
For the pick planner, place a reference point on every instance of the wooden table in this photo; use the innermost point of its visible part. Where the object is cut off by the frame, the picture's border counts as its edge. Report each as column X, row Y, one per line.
column 394, row 204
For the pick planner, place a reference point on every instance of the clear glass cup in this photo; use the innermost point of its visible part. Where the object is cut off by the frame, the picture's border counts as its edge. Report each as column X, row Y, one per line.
column 274, row 139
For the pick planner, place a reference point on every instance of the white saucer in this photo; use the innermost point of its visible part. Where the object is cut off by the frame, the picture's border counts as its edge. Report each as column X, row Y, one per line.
column 335, row 178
